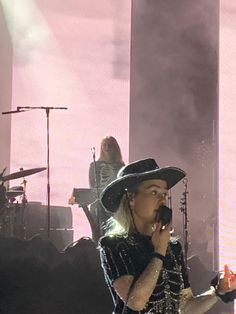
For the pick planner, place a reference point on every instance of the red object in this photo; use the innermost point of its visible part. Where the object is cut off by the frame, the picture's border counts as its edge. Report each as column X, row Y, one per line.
column 228, row 273
column 230, row 276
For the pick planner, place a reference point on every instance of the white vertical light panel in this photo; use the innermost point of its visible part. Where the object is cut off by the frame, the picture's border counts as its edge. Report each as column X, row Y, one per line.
column 227, row 133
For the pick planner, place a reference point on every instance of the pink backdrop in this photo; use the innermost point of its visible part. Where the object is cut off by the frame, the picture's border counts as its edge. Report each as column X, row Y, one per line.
column 74, row 54
column 227, row 125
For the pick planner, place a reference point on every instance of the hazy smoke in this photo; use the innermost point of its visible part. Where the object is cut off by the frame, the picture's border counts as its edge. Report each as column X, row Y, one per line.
column 174, row 78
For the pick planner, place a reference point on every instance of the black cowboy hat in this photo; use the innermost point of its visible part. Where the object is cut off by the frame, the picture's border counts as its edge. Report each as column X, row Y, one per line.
column 133, row 174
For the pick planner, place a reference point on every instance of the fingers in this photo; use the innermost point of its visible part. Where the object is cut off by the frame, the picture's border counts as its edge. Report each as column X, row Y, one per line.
column 167, row 227
column 71, row 200
column 227, row 271
column 170, row 229
column 160, row 239
column 158, row 229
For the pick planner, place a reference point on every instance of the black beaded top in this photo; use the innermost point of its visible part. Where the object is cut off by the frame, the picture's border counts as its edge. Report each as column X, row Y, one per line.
column 129, row 255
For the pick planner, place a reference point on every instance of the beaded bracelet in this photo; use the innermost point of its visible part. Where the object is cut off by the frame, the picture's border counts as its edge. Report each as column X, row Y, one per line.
column 158, row 255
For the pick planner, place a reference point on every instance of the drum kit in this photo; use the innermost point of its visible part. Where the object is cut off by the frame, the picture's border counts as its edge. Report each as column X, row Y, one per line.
column 13, row 202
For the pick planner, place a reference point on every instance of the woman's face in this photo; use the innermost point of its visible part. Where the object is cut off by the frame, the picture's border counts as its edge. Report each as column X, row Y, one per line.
column 150, row 196
column 108, row 146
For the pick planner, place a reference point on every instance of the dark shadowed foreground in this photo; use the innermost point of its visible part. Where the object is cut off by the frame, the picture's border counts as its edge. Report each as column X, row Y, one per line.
column 35, row 278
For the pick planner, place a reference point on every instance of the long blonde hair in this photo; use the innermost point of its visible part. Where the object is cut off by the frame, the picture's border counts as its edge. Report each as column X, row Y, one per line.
column 122, row 222
column 116, row 149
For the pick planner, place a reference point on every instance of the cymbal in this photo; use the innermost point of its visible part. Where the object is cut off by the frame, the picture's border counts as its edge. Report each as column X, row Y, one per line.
column 22, row 173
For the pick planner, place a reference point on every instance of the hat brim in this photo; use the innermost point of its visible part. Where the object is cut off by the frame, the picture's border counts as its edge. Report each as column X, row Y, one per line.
column 112, row 194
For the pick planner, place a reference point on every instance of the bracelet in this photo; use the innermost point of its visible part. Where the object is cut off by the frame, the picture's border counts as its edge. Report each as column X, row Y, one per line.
column 158, row 255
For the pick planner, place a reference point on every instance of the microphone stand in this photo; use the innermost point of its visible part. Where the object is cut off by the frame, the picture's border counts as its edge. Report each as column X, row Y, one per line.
column 183, row 209
column 95, row 171
column 97, row 204
column 47, row 110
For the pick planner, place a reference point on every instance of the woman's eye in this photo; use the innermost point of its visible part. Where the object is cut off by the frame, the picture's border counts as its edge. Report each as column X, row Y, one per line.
column 154, row 192
column 158, row 193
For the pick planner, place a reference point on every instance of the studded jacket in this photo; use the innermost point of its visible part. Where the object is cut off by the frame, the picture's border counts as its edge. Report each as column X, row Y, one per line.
column 129, row 255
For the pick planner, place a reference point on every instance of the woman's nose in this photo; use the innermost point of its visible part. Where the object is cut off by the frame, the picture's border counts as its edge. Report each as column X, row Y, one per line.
column 164, row 201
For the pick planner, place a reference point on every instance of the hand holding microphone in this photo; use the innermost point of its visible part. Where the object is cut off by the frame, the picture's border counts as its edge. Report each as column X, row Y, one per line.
column 163, row 229
column 164, row 216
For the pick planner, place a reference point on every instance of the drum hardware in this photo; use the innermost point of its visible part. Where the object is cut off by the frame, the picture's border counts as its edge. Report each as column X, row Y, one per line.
column 24, row 202
column 3, row 197
column 47, row 110
column 22, row 173
column 14, row 192
column 11, row 194
column 13, row 213
column 12, row 210
column 3, row 207
column 7, row 220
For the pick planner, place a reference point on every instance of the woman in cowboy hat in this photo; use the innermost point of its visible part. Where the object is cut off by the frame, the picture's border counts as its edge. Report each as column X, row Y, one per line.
column 143, row 265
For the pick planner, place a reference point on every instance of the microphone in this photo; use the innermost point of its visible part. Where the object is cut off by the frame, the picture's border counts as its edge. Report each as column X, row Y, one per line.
column 164, row 216
column 93, row 152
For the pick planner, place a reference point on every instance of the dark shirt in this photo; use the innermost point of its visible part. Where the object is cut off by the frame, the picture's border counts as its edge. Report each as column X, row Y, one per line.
column 130, row 255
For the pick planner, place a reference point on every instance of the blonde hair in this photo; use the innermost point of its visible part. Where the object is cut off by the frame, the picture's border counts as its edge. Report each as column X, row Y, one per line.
column 113, row 142
column 122, row 221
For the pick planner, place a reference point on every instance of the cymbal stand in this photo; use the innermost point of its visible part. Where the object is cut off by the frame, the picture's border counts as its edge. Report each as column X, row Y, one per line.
column 47, row 110
column 24, row 202
column 4, row 210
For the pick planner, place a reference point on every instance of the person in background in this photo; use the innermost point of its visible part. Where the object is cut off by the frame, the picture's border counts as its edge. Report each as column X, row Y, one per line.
column 143, row 263
column 101, row 172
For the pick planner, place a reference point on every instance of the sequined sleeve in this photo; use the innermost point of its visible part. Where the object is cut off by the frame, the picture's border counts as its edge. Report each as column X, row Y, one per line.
column 177, row 248
column 115, row 258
